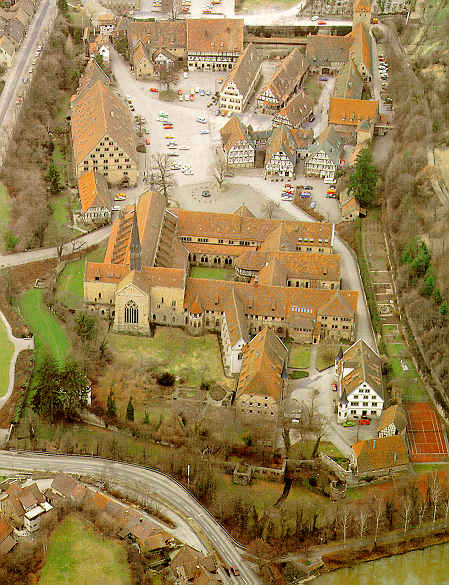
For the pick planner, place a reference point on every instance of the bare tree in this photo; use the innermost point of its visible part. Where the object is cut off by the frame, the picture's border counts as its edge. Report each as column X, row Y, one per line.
column 219, row 170
column 436, row 493
column 77, row 245
column 318, row 429
column 422, row 507
column 166, row 73
column 174, row 9
column 163, row 177
column 378, row 513
column 362, row 520
column 269, row 207
column 407, row 505
column 140, row 124
column 345, row 519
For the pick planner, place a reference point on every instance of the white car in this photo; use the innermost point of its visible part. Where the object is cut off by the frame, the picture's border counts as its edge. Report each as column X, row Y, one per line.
column 172, row 146
column 204, row 131
column 314, row 18
column 184, row 148
column 188, row 172
column 201, row 119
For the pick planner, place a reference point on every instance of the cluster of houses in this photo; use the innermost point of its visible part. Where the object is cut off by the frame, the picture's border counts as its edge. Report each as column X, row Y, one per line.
column 25, row 504
column 14, row 23
column 329, row 8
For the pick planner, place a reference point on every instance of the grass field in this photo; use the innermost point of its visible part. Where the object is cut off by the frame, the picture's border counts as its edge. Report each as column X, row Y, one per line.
column 70, row 283
column 299, row 356
column 193, row 358
column 57, row 225
column 79, row 555
column 6, row 353
column 410, row 382
column 49, row 336
column 212, row 273
column 5, row 208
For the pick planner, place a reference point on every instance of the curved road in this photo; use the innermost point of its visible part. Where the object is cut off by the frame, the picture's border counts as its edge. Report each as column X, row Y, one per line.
column 152, row 482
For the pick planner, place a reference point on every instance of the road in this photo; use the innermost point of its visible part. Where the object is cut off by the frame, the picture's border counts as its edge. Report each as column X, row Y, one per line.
column 151, row 482
column 20, row 68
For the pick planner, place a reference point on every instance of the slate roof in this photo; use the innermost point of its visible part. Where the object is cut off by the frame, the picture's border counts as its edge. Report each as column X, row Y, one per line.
column 216, row 35
column 281, row 140
column 235, row 319
column 263, row 363
column 245, row 69
column 99, row 113
column 92, row 73
column 380, row 453
column 186, row 562
column 93, row 190
column 330, row 142
column 287, row 75
column 393, row 415
column 297, row 109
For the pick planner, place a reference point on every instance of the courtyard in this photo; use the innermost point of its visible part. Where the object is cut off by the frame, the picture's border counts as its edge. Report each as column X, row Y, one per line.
column 212, row 273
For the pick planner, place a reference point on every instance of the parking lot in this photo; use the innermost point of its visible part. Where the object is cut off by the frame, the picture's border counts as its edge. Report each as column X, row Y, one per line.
column 226, row 8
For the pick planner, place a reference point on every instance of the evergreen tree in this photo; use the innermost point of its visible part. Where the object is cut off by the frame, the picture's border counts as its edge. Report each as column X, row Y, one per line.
column 130, row 411
column 47, row 400
column 111, row 409
column 146, row 418
column 86, row 326
column 437, row 296
column 62, row 5
column 444, row 310
column 363, row 179
column 429, row 284
column 54, row 178
column 73, row 390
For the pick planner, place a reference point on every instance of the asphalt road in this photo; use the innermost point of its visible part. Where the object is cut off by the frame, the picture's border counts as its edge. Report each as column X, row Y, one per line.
column 19, row 70
column 151, row 482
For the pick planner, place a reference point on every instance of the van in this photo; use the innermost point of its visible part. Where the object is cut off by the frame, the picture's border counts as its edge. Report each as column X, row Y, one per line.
column 330, row 181
column 186, row 75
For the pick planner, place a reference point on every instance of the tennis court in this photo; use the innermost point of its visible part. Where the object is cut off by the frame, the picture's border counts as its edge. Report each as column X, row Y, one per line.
column 427, row 440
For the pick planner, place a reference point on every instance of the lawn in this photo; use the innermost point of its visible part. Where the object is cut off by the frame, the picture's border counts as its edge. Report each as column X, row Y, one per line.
column 70, row 283
column 78, row 555
column 5, row 208
column 305, row 449
column 212, row 273
column 59, row 220
column 410, row 382
column 395, row 349
column 299, row 356
column 313, row 88
column 195, row 359
column 429, row 467
column 326, row 355
column 6, row 353
column 49, row 336
column 247, row 5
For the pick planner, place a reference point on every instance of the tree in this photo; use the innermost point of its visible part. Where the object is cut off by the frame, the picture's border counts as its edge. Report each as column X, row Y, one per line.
column 86, row 326
column 73, row 386
column 363, row 179
column 99, row 59
column 362, row 520
column 166, row 72
column 130, row 411
column 378, row 512
column 407, row 505
column 219, row 171
column 444, row 310
column 436, row 493
column 164, row 174
column 173, row 9
column 54, row 178
column 111, row 408
column 269, row 207
column 345, row 519
column 46, row 400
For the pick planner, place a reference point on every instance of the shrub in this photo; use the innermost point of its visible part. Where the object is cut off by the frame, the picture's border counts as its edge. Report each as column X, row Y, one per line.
column 298, row 374
column 165, row 379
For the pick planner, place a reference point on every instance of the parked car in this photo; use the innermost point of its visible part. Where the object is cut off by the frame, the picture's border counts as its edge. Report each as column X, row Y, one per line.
column 312, row 204
column 186, row 75
column 205, row 193
column 172, row 153
column 364, row 421
column 324, row 78
column 184, row 147
column 169, row 137
column 201, row 119
column 321, row 22
column 315, row 18
column 202, row 92
column 305, row 195
column 146, row 131
column 168, row 126
column 204, row 131
column 154, row 90
column 331, row 195
column 334, row 387
column 147, row 141
column 188, row 172
column 308, row 188
column 349, row 423
column 217, row 112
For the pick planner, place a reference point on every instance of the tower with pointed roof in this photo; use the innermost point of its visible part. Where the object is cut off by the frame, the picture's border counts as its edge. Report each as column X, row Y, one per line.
column 135, row 250
column 361, row 12
column 195, row 318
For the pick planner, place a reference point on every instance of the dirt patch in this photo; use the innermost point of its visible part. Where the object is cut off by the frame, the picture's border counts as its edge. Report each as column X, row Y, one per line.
column 346, row 231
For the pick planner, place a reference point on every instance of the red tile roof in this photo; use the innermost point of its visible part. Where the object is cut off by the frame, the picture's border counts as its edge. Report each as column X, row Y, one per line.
column 220, row 35
column 380, row 453
column 93, row 190
column 350, row 112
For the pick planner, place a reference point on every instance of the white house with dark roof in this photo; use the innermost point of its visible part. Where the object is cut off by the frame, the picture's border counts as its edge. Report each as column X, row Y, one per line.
column 324, row 156
column 359, row 382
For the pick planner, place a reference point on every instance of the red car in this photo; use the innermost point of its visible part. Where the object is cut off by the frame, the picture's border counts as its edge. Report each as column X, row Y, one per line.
column 168, row 126
column 334, row 387
column 179, row 91
column 321, row 22
column 364, row 421
column 147, row 141
column 154, row 89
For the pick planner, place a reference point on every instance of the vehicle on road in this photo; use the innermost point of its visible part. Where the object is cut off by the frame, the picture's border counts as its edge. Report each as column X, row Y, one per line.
column 180, row 98
column 286, row 198
column 154, row 90
column 329, row 181
column 324, row 78
column 146, row 131
column 305, row 194
column 315, row 18
column 349, row 423
column 205, row 193
column 220, row 80
column 186, row 75
column 168, row 126
column 321, row 22
column 331, row 191
column 172, row 153
column 223, row 113
column 308, row 188
column 184, row 147
column 175, row 168
column 188, row 172
column 172, row 146
column 364, row 421
column 186, row 97
column 201, row 119
column 120, row 197
column 334, row 387
column 217, row 112
column 169, row 137
column 204, row 131
column 202, row 92
column 147, row 141
column 331, row 195
column 180, row 92
column 312, row 204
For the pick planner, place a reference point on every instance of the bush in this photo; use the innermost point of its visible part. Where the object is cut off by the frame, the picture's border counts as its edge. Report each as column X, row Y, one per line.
column 165, row 379
column 10, row 241
column 298, row 374
column 141, row 148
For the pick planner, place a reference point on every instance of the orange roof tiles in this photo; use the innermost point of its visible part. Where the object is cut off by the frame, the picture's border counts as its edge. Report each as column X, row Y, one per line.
column 169, row 34
column 99, row 115
column 263, row 363
column 93, row 191
column 234, row 131
column 350, row 112
column 393, row 415
column 362, row 5
column 221, row 35
column 287, row 75
column 245, row 69
column 380, row 453
column 361, row 47
column 106, row 272
column 5, row 528
column 298, row 108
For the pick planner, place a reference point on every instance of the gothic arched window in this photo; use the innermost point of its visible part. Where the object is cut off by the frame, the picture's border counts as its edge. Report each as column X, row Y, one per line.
column 131, row 312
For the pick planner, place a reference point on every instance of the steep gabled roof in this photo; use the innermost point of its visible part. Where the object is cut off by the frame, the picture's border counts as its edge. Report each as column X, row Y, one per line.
column 330, row 142
column 233, row 132
column 393, row 415
column 93, row 190
column 365, row 365
column 98, row 113
column 348, row 83
column 296, row 110
column 243, row 211
column 324, row 50
column 281, row 140
column 245, row 69
column 263, row 363
column 380, row 453
column 287, row 75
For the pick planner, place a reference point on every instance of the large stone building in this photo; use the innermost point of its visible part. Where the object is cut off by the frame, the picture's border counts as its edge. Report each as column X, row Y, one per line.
column 346, row 115
column 214, row 44
column 241, row 82
column 360, row 388
column 262, row 377
column 103, row 135
column 380, row 457
column 145, row 280
column 285, row 82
